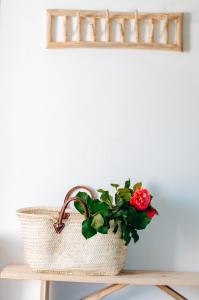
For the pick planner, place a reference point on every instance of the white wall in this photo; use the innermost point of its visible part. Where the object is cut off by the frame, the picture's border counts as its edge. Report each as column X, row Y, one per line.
column 94, row 116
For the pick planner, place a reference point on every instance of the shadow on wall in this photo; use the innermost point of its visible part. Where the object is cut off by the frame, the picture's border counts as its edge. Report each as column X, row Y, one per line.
column 156, row 247
column 10, row 252
column 168, row 234
column 165, row 243
column 73, row 291
column 187, row 30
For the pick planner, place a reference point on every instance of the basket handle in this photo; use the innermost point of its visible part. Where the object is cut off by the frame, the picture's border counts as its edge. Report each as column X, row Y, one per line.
column 59, row 225
column 77, row 188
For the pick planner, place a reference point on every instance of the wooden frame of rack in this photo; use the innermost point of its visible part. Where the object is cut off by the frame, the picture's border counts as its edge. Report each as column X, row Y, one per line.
column 132, row 40
column 161, row 279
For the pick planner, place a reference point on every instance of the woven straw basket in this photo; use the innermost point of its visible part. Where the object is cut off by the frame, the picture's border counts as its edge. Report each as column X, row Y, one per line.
column 53, row 242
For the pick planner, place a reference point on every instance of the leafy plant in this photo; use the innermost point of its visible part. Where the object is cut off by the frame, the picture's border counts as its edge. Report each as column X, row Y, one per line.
column 128, row 211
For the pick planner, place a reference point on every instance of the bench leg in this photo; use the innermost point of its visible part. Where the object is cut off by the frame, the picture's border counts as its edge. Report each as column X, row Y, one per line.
column 104, row 292
column 167, row 289
column 44, row 290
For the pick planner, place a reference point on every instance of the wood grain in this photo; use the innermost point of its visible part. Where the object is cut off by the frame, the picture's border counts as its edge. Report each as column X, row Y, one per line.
column 136, row 27
column 123, row 17
column 151, row 31
column 104, row 292
column 93, row 27
column 122, row 30
column 44, row 290
column 100, row 14
column 65, row 28
column 165, row 32
column 48, row 29
column 86, row 44
column 78, row 30
column 107, row 26
column 179, row 31
column 171, row 292
column 138, row 277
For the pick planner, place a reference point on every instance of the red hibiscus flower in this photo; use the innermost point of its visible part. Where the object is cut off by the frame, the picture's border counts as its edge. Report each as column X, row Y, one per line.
column 151, row 212
column 140, row 199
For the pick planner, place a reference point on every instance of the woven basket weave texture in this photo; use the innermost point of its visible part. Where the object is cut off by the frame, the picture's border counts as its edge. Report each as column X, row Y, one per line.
column 68, row 252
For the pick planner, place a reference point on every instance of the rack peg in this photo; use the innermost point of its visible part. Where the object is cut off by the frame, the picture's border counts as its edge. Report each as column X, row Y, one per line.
column 93, row 26
column 136, row 27
column 107, row 26
column 78, row 31
column 151, row 31
column 65, row 28
column 122, row 30
column 165, row 33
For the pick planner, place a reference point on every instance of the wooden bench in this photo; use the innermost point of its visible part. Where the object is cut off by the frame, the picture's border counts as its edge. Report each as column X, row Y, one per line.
column 161, row 279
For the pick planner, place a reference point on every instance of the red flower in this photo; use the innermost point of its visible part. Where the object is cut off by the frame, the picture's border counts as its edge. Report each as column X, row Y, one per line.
column 151, row 212
column 140, row 199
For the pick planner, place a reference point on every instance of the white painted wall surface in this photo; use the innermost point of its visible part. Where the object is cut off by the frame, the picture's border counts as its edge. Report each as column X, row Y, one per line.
column 93, row 116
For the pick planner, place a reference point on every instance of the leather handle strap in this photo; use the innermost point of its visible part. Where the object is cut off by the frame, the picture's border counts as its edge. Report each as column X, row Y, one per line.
column 75, row 188
column 59, row 225
column 72, row 190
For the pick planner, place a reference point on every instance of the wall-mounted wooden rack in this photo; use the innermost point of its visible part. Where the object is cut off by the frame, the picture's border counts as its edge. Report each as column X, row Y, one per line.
column 161, row 279
column 90, row 28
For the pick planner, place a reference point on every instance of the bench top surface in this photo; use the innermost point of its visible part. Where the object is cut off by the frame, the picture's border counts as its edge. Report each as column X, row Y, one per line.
column 137, row 277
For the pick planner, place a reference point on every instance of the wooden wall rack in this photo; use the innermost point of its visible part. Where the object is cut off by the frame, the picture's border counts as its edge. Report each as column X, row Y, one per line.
column 161, row 279
column 108, row 29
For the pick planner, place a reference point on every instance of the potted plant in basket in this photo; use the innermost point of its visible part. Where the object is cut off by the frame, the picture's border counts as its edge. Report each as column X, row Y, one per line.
column 129, row 210
column 62, row 240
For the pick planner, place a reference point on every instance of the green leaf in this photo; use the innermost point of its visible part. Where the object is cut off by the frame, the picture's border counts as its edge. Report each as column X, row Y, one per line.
column 105, row 197
column 115, row 185
column 137, row 186
column 101, row 191
column 83, row 195
column 104, row 229
column 121, row 213
column 115, row 229
column 97, row 221
column 121, row 202
column 87, row 199
column 125, row 233
column 87, row 230
column 99, row 207
column 132, row 216
column 142, row 221
column 134, row 235
column 127, row 184
column 78, row 205
column 117, row 198
column 125, row 194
